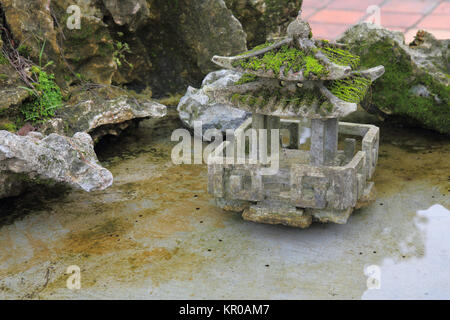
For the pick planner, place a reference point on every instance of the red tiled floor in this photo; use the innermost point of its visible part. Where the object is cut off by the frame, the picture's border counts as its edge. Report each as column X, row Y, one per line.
column 315, row 3
column 308, row 12
column 440, row 34
column 404, row 20
column 435, row 21
column 326, row 30
column 403, row 30
column 337, row 16
column 329, row 18
column 409, row 6
column 443, row 8
column 359, row 5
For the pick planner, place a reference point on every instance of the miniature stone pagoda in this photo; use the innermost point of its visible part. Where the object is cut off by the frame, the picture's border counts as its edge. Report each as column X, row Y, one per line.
column 294, row 79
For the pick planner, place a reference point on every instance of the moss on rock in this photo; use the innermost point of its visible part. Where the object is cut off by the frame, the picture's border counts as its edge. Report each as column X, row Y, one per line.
column 423, row 64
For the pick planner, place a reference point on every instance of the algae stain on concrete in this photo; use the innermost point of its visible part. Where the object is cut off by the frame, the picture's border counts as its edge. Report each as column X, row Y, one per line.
column 157, row 234
column 408, row 156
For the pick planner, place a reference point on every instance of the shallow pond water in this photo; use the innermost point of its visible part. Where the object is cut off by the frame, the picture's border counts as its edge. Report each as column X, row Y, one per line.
column 156, row 233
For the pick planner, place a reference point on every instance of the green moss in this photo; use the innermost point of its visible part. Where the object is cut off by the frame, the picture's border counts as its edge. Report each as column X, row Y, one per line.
column 235, row 98
column 312, row 65
column 341, row 57
column 246, row 78
column 352, row 89
column 11, row 127
column 285, row 57
column 392, row 91
column 3, row 60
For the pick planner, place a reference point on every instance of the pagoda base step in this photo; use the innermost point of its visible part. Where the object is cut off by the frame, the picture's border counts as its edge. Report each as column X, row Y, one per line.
column 288, row 216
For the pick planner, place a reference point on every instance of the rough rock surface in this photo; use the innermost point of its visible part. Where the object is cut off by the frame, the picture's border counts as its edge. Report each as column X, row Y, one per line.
column 212, row 20
column 132, row 13
column 415, row 86
column 11, row 95
column 173, row 47
column 53, row 159
column 171, row 42
column 88, row 51
column 10, row 92
column 197, row 106
column 264, row 19
column 102, row 116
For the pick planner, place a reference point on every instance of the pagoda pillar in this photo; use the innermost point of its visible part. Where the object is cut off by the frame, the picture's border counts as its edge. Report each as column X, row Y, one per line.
column 324, row 141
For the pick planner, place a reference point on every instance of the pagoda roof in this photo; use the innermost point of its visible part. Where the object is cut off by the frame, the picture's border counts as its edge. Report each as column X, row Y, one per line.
column 296, row 77
column 313, row 100
column 297, row 60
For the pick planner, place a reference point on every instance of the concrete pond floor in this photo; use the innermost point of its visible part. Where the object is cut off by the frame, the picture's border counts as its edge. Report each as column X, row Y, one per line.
column 156, row 233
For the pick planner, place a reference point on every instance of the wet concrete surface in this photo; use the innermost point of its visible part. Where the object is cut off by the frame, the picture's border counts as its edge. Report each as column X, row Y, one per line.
column 156, row 233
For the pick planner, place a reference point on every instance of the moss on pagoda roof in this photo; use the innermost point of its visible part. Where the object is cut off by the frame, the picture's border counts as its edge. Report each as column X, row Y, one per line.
column 351, row 89
column 340, row 56
column 286, row 56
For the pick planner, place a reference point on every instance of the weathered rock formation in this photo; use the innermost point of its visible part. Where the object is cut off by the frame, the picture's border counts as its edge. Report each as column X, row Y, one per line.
column 170, row 42
column 415, row 86
column 100, row 115
column 11, row 93
column 52, row 159
column 197, row 106
column 264, row 19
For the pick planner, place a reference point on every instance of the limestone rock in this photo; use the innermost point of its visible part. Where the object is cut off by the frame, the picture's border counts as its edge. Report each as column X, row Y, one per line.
column 132, row 13
column 89, row 51
column 53, row 159
column 30, row 23
column 173, row 45
column 415, row 86
column 211, row 20
column 170, row 42
column 11, row 94
column 102, row 116
column 264, row 19
column 41, row 24
column 197, row 106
